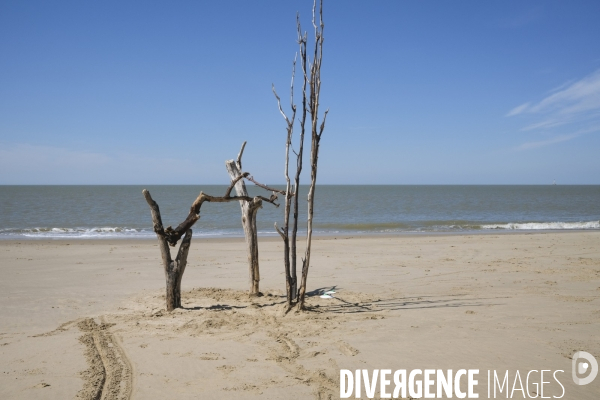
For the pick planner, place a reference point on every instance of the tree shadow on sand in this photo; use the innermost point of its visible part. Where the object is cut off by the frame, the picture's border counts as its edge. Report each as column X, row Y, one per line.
column 341, row 304
column 351, row 303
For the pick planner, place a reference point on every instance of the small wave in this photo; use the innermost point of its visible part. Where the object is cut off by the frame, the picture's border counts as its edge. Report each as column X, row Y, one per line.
column 99, row 233
column 325, row 229
column 96, row 232
column 545, row 225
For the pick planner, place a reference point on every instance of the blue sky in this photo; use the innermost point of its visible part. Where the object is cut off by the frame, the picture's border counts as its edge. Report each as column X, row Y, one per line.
column 421, row 92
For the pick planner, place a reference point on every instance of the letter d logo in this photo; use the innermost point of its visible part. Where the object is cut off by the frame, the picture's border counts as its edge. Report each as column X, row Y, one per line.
column 581, row 367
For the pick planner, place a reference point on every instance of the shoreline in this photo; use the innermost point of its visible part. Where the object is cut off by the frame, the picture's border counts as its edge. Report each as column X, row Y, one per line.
column 320, row 236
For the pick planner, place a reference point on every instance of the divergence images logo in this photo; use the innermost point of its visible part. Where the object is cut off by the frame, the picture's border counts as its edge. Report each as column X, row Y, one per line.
column 582, row 363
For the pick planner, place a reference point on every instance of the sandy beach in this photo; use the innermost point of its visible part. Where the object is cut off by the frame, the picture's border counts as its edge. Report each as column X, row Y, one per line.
column 85, row 318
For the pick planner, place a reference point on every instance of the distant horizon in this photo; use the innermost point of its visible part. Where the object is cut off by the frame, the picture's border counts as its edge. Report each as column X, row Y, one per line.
column 307, row 184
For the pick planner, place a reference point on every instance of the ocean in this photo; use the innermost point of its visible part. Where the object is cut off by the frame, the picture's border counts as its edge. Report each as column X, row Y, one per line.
column 86, row 212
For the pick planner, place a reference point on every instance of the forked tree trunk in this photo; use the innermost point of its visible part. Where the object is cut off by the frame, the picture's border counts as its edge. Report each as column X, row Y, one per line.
column 249, row 210
column 174, row 272
column 174, row 269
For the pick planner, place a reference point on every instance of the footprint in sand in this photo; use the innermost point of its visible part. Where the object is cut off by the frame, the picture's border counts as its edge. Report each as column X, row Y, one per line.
column 226, row 368
column 347, row 349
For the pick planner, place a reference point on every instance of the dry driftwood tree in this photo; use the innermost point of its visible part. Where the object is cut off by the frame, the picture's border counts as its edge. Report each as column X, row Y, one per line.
column 289, row 251
column 310, row 105
column 249, row 210
column 174, row 269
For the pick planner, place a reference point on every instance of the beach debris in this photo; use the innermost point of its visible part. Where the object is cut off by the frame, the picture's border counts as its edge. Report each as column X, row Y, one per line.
column 327, row 294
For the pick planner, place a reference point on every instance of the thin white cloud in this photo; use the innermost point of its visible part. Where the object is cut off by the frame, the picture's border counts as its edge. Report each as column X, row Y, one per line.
column 560, row 87
column 556, row 139
column 583, row 95
column 571, row 106
column 559, row 120
column 518, row 110
column 549, row 123
column 541, row 143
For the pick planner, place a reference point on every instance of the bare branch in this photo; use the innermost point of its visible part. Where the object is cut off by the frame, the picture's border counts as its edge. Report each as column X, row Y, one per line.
column 239, row 157
column 323, row 124
column 214, row 199
column 321, row 16
column 173, row 235
column 158, row 228
column 293, row 106
column 302, row 39
column 156, row 219
column 279, row 104
column 313, row 18
column 236, row 180
column 251, row 179
column 279, row 231
column 270, row 199
column 184, row 248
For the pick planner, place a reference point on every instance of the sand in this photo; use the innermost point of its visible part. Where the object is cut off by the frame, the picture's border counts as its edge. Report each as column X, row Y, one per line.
column 86, row 318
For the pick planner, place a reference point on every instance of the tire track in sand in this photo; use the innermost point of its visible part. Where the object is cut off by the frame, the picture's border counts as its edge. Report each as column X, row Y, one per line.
column 109, row 376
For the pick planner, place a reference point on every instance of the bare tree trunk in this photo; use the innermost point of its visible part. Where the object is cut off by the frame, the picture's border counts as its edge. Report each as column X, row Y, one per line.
column 316, row 132
column 310, row 104
column 175, row 273
column 249, row 210
column 174, row 269
column 253, row 247
column 289, row 245
column 302, row 39
column 284, row 232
